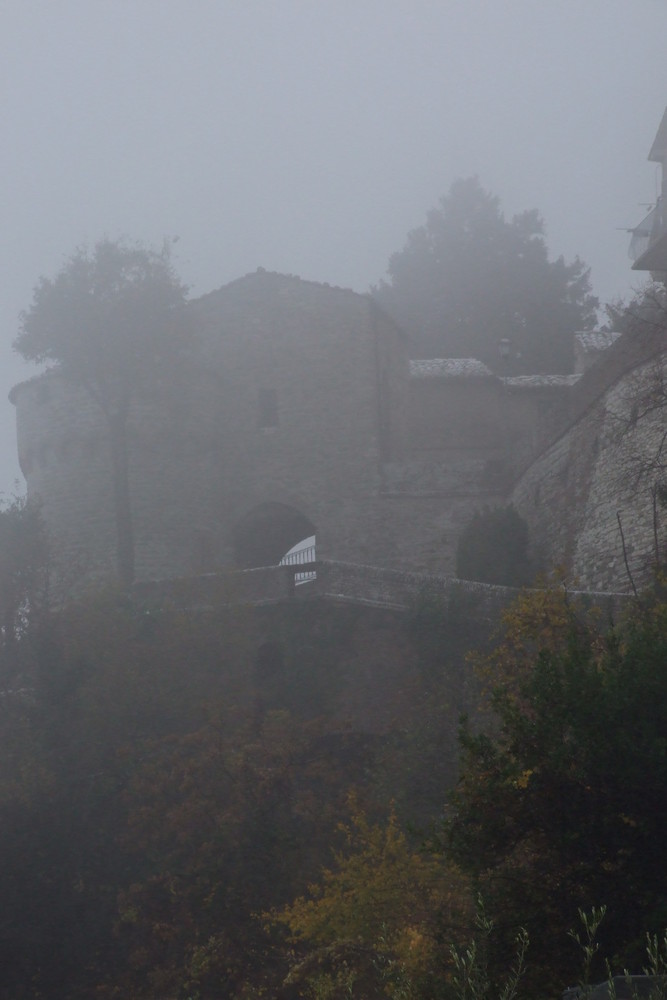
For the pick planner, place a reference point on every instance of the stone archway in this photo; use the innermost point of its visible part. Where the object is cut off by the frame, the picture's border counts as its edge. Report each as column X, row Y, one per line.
column 267, row 533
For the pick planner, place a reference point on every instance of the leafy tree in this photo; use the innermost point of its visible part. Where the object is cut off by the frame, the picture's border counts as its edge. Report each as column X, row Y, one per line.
column 227, row 821
column 562, row 802
column 493, row 548
column 110, row 680
column 109, row 321
column 24, row 563
column 375, row 919
column 469, row 278
column 643, row 317
column 537, row 621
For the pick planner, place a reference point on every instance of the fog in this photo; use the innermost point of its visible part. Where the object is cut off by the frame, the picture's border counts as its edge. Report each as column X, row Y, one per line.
column 310, row 137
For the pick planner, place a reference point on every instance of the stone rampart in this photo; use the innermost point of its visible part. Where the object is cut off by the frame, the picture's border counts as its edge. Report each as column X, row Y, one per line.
column 301, row 415
column 588, row 496
column 371, row 586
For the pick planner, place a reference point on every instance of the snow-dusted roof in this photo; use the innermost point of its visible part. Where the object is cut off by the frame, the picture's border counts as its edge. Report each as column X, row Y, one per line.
column 449, row 368
column 595, row 340
column 538, row 381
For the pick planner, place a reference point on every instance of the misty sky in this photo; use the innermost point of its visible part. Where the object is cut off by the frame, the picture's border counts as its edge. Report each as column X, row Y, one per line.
column 309, row 136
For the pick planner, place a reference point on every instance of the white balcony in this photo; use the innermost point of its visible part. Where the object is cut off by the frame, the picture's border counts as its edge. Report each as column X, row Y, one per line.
column 648, row 246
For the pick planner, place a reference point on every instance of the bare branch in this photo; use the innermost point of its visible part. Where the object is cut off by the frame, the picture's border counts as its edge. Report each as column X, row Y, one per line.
column 625, row 555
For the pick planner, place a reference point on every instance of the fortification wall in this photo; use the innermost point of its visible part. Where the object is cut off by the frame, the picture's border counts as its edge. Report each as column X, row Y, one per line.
column 65, row 455
column 62, row 446
column 299, row 404
column 294, row 397
column 603, row 466
column 341, row 582
column 335, row 371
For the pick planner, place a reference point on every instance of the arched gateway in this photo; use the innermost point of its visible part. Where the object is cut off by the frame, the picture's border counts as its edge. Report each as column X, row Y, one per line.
column 295, row 399
column 265, row 535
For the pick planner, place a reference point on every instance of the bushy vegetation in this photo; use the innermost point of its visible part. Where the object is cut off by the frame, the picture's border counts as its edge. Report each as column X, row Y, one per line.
column 174, row 828
column 493, row 548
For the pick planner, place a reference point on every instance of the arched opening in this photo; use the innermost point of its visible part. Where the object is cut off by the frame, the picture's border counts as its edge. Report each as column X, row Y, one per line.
column 265, row 535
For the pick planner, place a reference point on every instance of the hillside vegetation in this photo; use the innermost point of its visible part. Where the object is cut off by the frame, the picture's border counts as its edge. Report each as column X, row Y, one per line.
column 230, row 802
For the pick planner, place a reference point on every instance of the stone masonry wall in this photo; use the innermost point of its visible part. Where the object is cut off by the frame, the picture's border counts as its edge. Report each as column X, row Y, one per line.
column 602, row 467
column 296, row 397
column 300, row 403
column 331, row 362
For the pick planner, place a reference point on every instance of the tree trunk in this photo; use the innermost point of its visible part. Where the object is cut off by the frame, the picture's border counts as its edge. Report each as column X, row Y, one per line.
column 121, row 494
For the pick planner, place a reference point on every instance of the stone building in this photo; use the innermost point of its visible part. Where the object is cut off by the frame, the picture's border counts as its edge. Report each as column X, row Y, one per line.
column 302, row 415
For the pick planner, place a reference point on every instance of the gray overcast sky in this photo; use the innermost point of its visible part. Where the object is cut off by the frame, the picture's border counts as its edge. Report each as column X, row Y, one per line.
column 309, row 136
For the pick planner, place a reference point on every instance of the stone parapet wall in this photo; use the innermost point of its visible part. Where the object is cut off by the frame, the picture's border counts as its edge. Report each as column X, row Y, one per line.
column 625, row 355
column 400, row 590
column 372, row 586
column 264, row 585
column 375, row 585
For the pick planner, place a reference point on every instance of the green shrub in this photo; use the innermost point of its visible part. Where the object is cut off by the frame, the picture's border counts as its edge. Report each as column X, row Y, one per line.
column 493, row 548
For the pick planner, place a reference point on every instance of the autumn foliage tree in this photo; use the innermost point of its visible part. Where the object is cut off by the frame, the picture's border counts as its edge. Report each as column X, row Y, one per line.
column 171, row 828
column 375, row 920
column 227, row 820
column 562, row 803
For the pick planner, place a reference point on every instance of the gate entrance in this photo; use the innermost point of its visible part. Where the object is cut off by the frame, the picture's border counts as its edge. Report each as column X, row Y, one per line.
column 266, row 535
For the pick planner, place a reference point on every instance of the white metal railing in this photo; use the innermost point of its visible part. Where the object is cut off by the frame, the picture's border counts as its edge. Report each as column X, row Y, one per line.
column 297, row 557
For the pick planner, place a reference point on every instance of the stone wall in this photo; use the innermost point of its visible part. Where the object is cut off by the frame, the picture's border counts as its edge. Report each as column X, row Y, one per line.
column 341, row 582
column 601, row 469
column 298, row 406
column 299, row 413
column 324, row 354
column 295, row 397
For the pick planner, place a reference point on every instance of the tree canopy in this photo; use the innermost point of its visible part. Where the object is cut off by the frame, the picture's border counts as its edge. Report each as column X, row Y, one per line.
column 173, row 829
column 108, row 321
column 24, row 564
column 106, row 315
column 469, row 278
column 562, row 804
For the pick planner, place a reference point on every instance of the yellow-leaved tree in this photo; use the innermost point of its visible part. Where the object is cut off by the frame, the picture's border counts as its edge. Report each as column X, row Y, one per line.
column 376, row 921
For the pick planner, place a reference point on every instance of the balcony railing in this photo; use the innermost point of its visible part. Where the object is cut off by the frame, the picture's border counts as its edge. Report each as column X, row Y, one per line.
column 646, row 235
column 297, row 558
